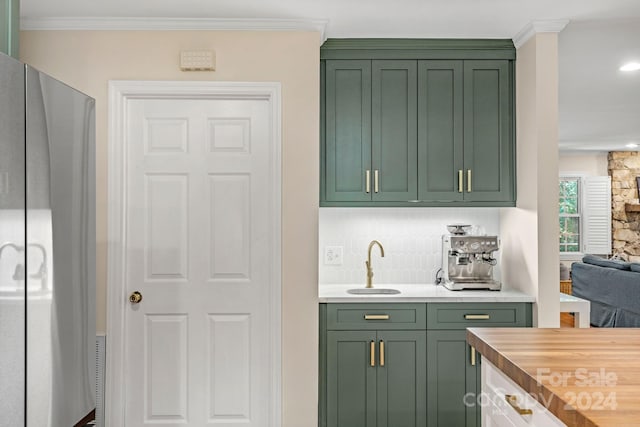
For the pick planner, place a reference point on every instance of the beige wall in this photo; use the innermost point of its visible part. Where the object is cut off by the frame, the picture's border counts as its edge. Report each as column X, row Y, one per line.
column 589, row 163
column 529, row 232
column 88, row 60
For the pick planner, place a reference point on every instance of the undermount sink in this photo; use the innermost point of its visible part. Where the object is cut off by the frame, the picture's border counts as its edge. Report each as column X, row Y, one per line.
column 373, row 291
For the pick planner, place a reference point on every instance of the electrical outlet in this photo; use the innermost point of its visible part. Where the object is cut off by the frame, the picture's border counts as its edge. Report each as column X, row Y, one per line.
column 333, row 255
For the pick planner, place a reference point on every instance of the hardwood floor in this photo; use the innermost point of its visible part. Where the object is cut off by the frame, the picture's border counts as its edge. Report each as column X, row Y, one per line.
column 566, row 320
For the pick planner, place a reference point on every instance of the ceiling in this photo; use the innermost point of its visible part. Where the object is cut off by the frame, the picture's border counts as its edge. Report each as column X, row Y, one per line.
column 599, row 105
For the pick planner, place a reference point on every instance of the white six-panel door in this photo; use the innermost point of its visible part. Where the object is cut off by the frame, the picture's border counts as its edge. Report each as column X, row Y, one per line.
column 198, row 233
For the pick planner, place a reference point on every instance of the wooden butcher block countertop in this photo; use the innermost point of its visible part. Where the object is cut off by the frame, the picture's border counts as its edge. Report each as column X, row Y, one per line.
column 589, row 377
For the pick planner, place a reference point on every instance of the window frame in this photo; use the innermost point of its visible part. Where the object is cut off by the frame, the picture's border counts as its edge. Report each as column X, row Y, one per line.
column 573, row 256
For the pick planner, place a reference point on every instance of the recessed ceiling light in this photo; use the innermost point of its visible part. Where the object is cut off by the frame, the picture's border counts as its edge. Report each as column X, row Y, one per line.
column 632, row 145
column 631, row 66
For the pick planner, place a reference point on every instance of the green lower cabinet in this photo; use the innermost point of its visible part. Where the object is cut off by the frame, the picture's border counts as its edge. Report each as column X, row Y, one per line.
column 402, row 384
column 351, row 380
column 376, row 378
column 452, row 380
column 409, row 367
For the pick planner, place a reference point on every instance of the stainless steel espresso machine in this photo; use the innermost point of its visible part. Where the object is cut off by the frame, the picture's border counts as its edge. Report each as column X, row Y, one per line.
column 468, row 261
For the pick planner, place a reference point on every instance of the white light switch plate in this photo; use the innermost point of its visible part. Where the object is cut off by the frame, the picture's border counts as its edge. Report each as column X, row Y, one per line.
column 333, row 255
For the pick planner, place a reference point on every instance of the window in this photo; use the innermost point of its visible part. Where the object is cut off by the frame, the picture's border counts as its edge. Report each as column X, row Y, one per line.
column 570, row 215
column 585, row 215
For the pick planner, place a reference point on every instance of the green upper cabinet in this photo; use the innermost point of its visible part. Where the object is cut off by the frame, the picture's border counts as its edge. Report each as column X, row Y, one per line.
column 488, row 126
column 9, row 26
column 394, row 133
column 465, row 149
column 370, row 131
column 417, row 123
column 348, row 131
column 440, row 132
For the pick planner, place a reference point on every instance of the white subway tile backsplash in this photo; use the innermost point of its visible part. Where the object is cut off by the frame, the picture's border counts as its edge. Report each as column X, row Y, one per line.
column 411, row 238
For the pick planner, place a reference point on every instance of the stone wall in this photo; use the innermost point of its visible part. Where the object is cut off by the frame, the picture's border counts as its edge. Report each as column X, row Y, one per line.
column 624, row 167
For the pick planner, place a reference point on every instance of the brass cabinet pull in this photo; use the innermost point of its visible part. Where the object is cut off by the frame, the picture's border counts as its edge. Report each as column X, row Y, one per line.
column 469, row 181
column 460, row 181
column 372, row 355
column 367, row 179
column 473, row 356
column 513, row 402
column 376, row 186
column 477, row 317
column 381, row 353
column 376, row 317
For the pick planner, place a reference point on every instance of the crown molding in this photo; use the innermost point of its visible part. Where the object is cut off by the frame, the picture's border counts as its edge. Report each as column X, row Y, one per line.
column 173, row 24
column 546, row 26
column 375, row 48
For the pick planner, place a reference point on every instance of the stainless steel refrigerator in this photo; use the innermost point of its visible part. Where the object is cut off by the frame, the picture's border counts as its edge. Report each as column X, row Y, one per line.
column 47, row 250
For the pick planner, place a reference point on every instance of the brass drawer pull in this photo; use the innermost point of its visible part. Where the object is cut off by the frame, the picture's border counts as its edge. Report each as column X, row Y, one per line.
column 376, row 317
column 376, row 185
column 513, row 402
column 381, row 353
column 476, row 317
column 367, row 181
column 372, row 355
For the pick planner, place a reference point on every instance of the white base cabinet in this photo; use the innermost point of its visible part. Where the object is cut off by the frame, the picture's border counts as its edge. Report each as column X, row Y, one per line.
column 505, row 404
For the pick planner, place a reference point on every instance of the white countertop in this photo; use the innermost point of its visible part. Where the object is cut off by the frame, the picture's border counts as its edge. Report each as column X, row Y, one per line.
column 420, row 293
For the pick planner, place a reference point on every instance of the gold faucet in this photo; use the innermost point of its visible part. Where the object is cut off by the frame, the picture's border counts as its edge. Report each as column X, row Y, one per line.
column 368, row 262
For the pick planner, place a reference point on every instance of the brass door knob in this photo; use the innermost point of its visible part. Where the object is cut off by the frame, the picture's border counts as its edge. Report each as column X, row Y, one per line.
column 135, row 297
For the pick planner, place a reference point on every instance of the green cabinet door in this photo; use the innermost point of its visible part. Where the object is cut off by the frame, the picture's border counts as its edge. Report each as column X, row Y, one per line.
column 347, row 133
column 452, row 380
column 465, row 141
column 488, row 141
column 440, row 138
column 394, row 133
column 402, row 379
column 376, row 378
column 351, row 380
column 9, row 26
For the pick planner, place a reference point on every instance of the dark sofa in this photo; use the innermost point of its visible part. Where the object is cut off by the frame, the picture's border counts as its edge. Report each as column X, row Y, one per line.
column 612, row 287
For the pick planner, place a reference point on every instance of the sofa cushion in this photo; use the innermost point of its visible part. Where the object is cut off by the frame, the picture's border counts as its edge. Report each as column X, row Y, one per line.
column 635, row 267
column 626, row 319
column 602, row 315
column 613, row 263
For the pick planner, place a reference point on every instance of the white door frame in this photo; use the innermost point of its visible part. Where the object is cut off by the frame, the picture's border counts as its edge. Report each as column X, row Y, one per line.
column 120, row 93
